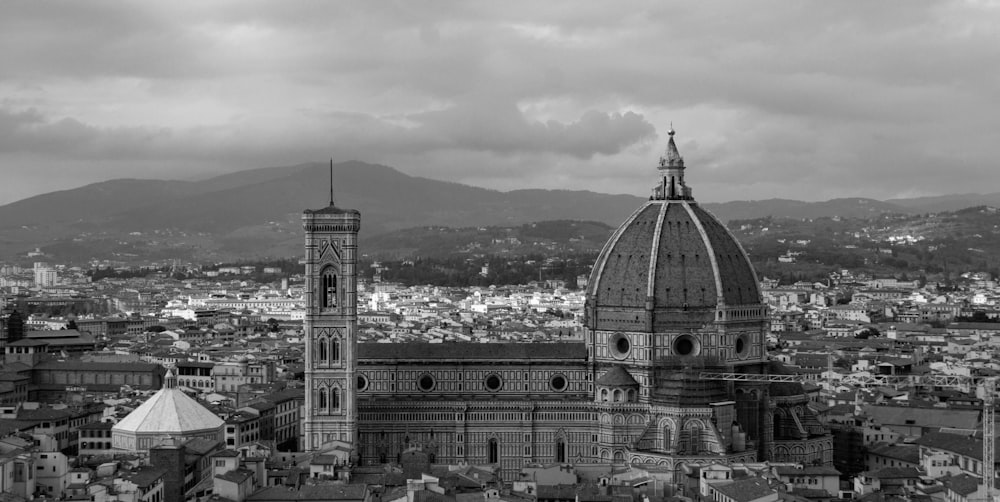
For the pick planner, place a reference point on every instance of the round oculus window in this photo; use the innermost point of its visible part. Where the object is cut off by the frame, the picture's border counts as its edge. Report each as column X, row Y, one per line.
column 620, row 346
column 362, row 382
column 493, row 383
column 425, row 383
column 742, row 347
column 558, row 383
column 685, row 346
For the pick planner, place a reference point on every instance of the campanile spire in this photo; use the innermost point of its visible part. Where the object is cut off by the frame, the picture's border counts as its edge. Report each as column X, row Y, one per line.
column 331, row 183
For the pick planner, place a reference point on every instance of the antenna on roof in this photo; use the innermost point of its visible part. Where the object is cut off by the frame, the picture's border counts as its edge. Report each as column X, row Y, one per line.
column 331, row 181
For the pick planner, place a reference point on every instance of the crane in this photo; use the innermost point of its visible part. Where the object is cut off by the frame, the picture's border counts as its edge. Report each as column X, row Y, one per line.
column 987, row 384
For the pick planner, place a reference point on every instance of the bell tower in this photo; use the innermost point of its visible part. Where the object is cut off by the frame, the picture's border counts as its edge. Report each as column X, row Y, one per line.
column 331, row 324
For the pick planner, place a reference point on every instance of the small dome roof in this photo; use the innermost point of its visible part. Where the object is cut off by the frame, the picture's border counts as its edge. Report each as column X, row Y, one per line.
column 169, row 411
column 617, row 377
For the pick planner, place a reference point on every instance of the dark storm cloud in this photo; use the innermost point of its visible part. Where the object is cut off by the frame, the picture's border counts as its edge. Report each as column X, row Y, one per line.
column 501, row 128
column 795, row 99
column 29, row 131
column 44, row 40
column 487, row 127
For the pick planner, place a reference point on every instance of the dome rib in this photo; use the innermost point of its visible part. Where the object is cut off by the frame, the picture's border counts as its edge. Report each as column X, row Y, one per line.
column 753, row 272
column 654, row 252
column 683, row 279
column 711, row 252
column 602, row 262
column 722, row 237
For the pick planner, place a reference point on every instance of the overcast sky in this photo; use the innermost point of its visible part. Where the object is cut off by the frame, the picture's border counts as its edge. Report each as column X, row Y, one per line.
column 795, row 99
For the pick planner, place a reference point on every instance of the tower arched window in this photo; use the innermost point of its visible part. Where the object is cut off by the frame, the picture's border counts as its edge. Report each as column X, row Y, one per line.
column 335, row 350
column 321, row 399
column 328, row 288
column 334, row 399
column 322, row 356
column 492, row 451
column 560, row 450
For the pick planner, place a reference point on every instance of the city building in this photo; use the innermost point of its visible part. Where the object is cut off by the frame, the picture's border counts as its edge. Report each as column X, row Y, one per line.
column 671, row 296
column 94, row 439
column 45, row 276
column 229, row 376
column 34, row 374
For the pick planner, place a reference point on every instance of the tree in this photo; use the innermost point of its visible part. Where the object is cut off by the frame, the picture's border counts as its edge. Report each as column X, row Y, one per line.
column 869, row 332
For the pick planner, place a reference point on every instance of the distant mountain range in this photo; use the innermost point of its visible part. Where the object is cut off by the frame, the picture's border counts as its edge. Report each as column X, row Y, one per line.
column 257, row 213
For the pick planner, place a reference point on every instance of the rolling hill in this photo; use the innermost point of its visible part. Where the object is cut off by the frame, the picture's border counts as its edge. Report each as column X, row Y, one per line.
column 257, row 213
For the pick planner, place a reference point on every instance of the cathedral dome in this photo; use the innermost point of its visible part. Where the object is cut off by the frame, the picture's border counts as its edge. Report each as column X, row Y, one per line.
column 671, row 264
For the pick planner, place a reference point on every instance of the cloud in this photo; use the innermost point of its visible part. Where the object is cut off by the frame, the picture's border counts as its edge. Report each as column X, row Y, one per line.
column 484, row 126
column 30, row 132
column 498, row 127
column 770, row 99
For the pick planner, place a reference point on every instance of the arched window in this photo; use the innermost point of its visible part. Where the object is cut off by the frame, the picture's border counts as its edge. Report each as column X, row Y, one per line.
column 334, row 399
column 322, row 356
column 666, row 438
column 560, row 450
column 335, row 350
column 493, row 451
column 328, row 289
column 630, row 395
column 618, row 395
column 321, row 399
column 604, row 395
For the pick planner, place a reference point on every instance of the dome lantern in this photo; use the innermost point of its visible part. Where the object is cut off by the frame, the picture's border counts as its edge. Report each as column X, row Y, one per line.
column 671, row 170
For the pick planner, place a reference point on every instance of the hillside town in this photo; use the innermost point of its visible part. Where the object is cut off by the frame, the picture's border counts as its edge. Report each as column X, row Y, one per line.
column 225, row 352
